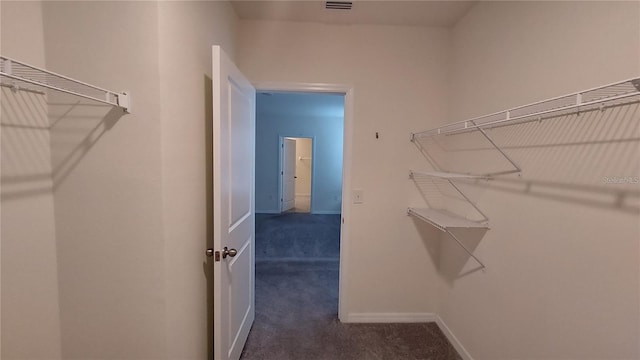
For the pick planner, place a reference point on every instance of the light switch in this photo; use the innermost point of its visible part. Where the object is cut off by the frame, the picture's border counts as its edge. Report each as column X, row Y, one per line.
column 358, row 196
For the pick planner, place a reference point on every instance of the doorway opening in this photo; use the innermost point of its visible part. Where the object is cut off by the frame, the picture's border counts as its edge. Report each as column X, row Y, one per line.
column 299, row 152
column 296, row 174
column 298, row 194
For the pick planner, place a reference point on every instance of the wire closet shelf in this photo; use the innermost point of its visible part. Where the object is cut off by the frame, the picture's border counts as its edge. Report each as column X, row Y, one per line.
column 598, row 98
column 18, row 76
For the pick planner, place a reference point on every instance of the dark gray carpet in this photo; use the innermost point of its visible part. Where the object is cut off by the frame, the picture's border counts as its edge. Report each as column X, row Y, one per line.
column 295, row 236
column 296, row 319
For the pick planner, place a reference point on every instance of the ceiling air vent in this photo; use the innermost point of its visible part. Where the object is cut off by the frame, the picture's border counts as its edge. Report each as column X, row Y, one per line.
column 338, row 5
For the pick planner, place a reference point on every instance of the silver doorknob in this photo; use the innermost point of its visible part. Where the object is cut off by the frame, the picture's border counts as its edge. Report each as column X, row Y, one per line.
column 228, row 252
column 209, row 252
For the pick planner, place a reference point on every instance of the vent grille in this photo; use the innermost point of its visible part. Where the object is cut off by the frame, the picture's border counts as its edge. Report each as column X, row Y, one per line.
column 338, row 5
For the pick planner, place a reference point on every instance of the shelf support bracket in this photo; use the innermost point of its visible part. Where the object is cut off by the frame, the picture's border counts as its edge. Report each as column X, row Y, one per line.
column 8, row 67
column 465, row 248
column 484, row 133
column 485, row 218
column 124, row 101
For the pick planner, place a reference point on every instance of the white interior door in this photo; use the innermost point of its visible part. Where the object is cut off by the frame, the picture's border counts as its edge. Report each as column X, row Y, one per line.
column 288, row 174
column 233, row 212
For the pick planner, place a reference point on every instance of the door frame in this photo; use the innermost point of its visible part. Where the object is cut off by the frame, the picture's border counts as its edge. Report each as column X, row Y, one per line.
column 281, row 163
column 347, row 153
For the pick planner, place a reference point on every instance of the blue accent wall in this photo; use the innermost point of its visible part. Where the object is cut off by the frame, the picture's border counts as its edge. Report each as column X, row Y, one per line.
column 318, row 116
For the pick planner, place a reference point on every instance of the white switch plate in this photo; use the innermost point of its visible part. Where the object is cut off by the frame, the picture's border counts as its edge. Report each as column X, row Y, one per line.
column 358, row 196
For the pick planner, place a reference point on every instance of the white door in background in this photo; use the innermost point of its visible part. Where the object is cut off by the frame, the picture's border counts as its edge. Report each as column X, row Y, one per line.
column 304, row 164
column 288, row 174
column 233, row 207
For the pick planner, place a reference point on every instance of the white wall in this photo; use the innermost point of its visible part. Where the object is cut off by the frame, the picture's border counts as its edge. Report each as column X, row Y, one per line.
column 131, row 193
column 107, row 181
column 186, row 31
column 562, row 257
column 399, row 75
column 30, row 314
column 281, row 115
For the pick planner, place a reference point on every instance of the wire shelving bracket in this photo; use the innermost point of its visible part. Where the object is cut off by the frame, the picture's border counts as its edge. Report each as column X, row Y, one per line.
column 444, row 220
column 18, row 76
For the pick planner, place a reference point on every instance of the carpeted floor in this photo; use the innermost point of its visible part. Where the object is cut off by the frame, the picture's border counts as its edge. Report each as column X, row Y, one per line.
column 296, row 317
column 295, row 236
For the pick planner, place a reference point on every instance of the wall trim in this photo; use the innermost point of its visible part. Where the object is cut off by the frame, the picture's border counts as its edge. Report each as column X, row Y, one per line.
column 453, row 339
column 320, row 212
column 267, row 212
column 390, row 317
column 302, row 87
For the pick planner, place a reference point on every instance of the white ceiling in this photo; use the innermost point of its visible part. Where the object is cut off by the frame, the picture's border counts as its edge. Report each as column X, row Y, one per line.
column 389, row 12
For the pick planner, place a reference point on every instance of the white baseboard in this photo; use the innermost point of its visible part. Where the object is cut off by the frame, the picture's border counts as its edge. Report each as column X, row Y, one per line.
column 453, row 339
column 390, row 318
column 267, row 212
column 321, row 212
column 324, row 212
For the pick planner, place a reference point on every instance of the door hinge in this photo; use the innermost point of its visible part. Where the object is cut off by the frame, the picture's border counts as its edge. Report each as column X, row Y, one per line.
column 216, row 256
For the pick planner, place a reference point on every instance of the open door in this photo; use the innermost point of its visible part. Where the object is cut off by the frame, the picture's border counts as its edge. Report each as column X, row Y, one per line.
column 288, row 174
column 233, row 207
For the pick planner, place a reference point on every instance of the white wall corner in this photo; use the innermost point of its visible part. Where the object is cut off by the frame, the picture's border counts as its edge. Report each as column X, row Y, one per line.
column 452, row 339
column 390, row 318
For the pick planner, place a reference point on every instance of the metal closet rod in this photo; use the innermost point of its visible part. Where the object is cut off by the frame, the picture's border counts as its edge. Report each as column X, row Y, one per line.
column 470, row 125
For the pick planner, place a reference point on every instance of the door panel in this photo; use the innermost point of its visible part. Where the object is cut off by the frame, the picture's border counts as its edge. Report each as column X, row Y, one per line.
column 239, row 153
column 233, row 206
column 288, row 174
column 239, row 268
